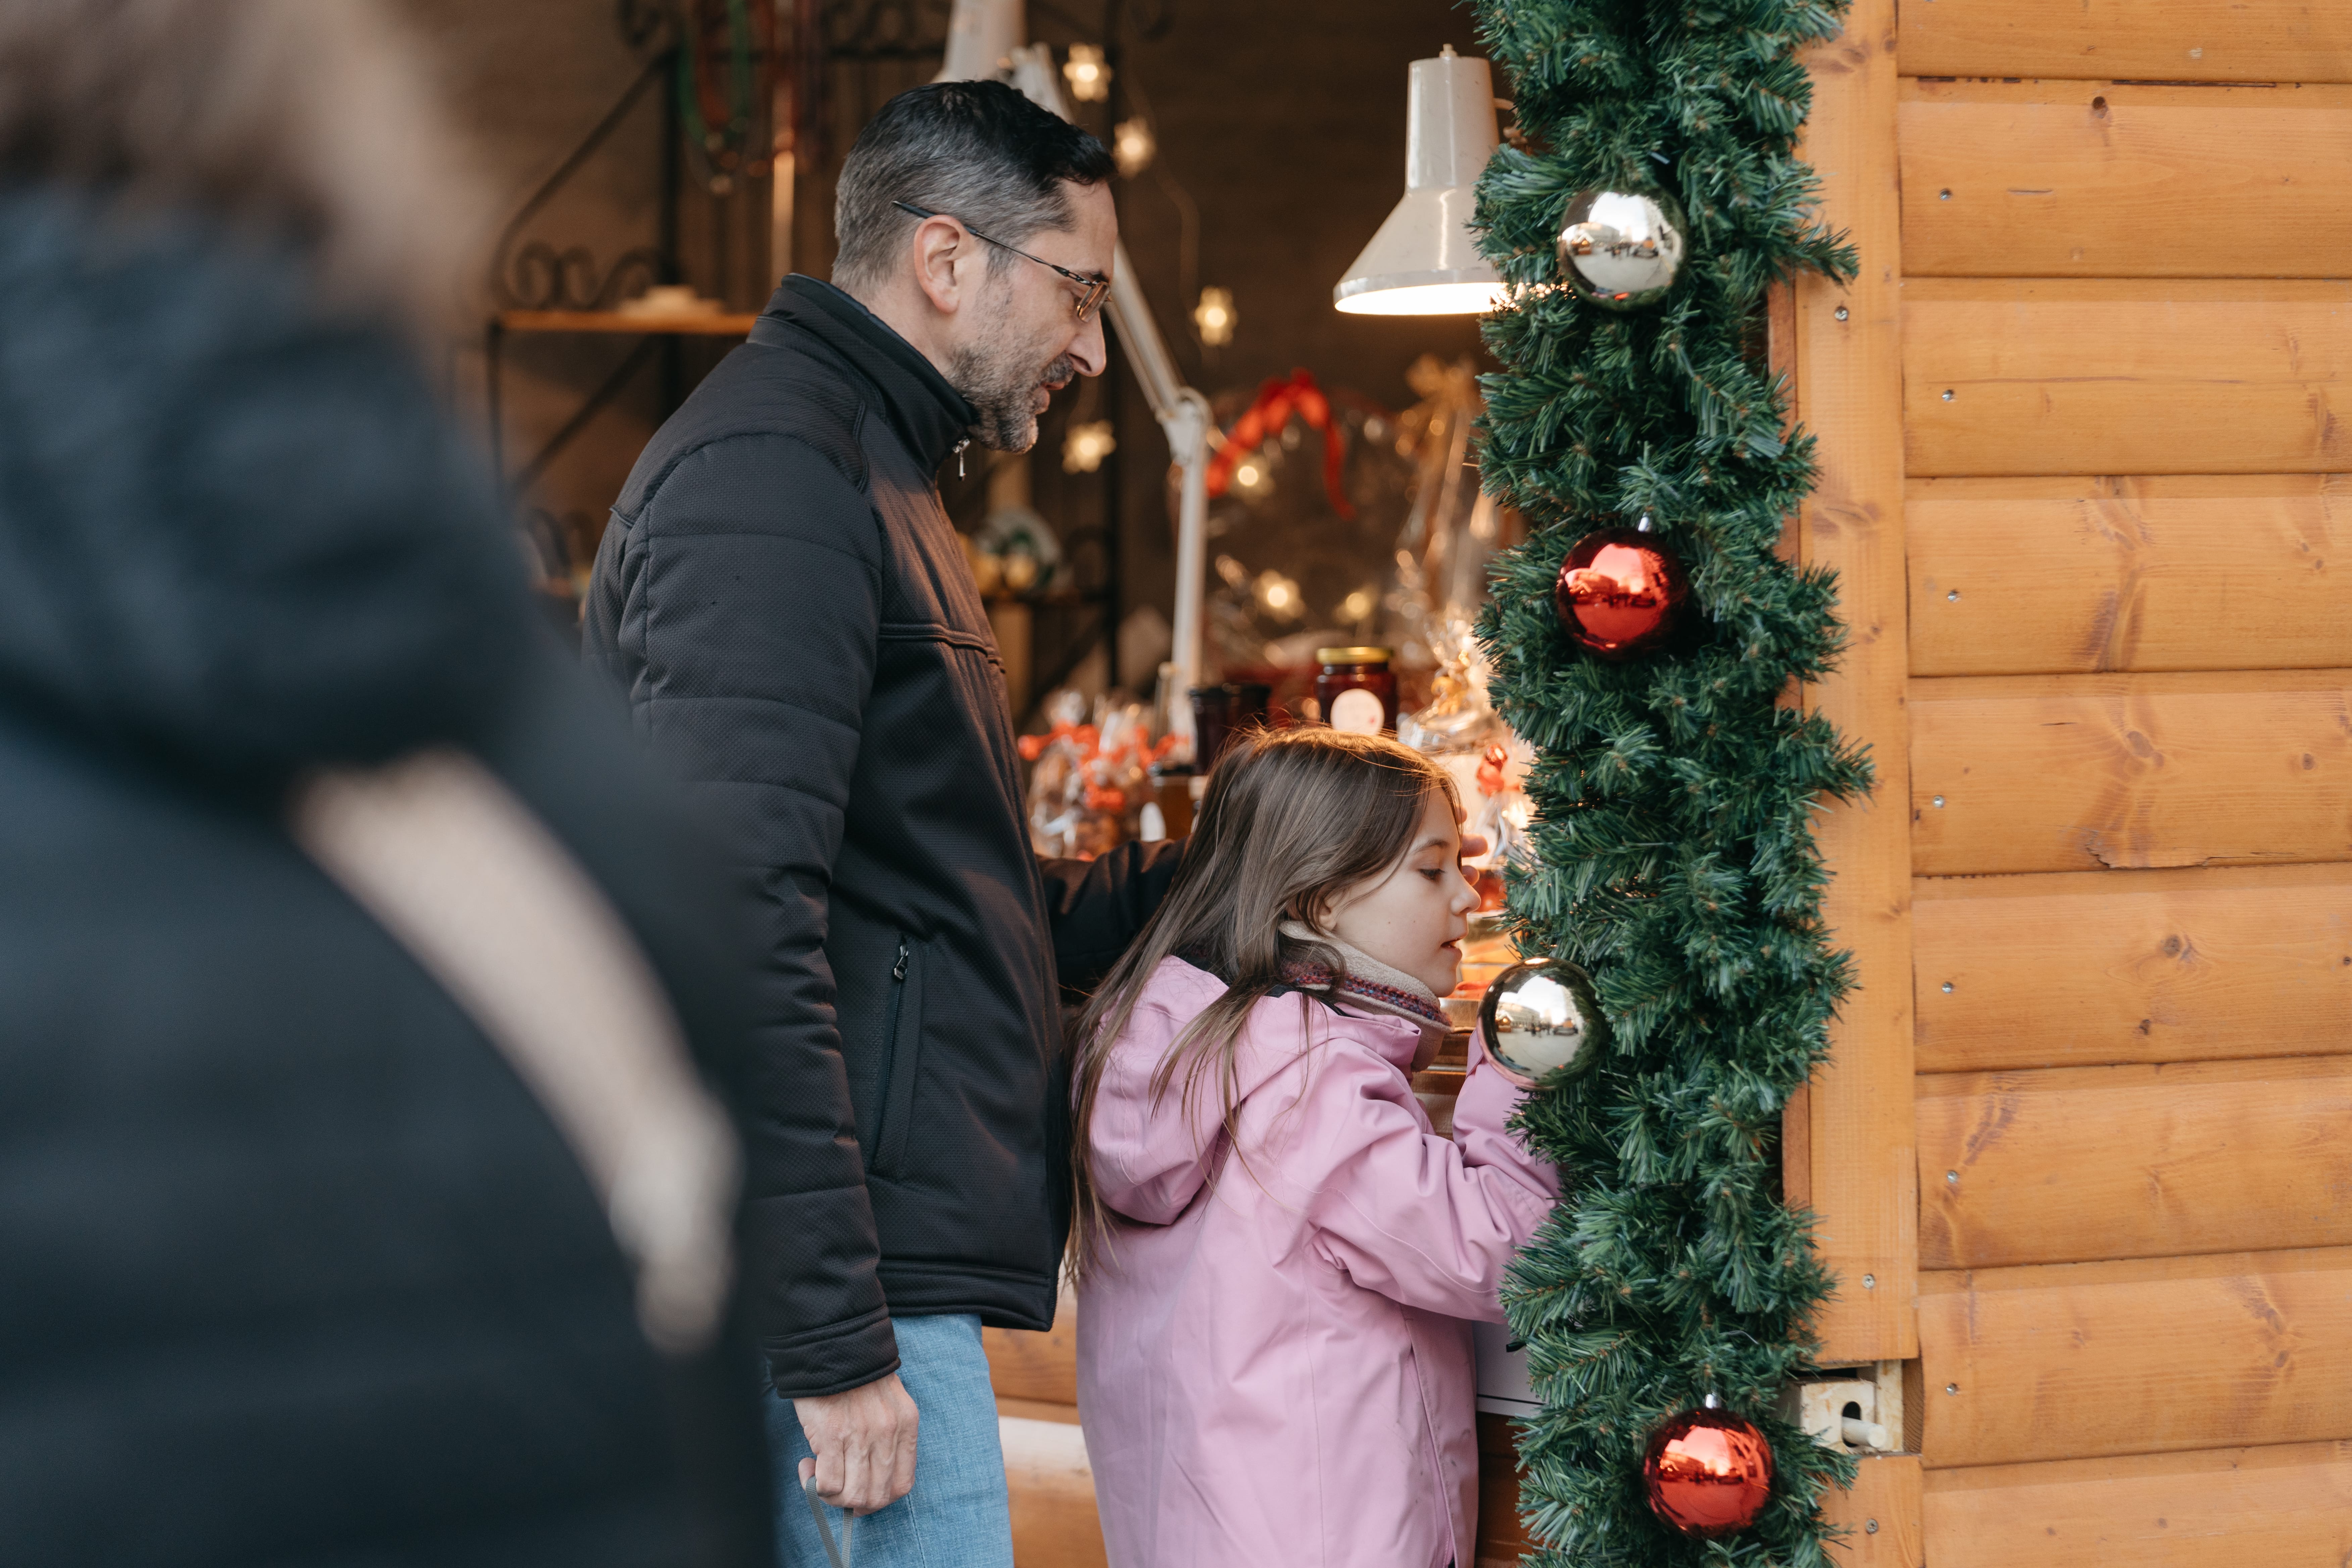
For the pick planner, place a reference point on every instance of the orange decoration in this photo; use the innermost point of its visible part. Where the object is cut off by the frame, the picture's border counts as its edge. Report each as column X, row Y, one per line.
column 1490, row 770
column 1277, row 400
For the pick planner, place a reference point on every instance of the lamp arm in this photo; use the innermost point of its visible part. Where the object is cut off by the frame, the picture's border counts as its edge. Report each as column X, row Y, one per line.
column 1184, row 414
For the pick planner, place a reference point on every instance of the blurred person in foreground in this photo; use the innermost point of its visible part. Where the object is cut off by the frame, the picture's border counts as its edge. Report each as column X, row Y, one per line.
column 299, row 1263
column 784, row 599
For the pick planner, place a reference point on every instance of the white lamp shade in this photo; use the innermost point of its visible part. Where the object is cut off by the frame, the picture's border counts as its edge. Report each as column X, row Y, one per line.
column 1424, row 260
column 981, row 36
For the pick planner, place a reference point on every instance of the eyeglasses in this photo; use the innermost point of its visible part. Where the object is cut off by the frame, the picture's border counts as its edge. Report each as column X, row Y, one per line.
column 1092, row 290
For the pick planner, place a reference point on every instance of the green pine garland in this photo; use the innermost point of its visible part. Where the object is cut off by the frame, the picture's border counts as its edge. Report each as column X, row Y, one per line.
column 1674, row 796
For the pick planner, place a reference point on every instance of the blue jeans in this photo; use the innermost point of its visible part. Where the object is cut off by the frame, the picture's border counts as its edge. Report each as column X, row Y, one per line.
column 958, row 1515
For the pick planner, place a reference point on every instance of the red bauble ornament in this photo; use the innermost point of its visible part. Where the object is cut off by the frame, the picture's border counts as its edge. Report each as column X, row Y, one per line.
column 1708, row 1472
column 1621, row 592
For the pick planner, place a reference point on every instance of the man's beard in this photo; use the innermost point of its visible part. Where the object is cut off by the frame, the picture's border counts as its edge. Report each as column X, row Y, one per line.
column 1001, row 380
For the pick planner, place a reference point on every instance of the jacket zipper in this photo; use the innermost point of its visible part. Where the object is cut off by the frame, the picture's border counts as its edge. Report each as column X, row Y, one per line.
column 890, row 1051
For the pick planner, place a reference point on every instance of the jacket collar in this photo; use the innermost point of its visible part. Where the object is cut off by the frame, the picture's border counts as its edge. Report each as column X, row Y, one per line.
column 932, row 417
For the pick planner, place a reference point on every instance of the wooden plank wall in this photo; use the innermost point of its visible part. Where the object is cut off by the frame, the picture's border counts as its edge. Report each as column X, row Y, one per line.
column 1847, row 1149
column 2126, row 393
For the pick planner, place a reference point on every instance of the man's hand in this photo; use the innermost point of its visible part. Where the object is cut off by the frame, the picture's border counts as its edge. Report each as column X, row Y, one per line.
column 865, row 1443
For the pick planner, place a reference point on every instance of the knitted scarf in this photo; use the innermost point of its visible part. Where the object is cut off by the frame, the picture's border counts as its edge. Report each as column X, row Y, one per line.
column 1366, row 984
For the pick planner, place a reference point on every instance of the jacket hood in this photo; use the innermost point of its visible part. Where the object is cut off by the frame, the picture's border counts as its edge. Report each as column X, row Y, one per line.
column 1149, row 1156
column 237, row 534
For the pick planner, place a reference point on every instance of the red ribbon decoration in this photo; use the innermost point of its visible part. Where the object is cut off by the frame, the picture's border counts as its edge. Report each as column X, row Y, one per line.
column 1277, row 400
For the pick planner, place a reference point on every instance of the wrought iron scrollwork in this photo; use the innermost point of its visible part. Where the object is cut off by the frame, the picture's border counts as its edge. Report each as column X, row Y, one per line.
column 539, row 275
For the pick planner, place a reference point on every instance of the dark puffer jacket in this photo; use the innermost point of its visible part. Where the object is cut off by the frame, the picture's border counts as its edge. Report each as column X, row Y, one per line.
column 293, row 1269
column 784, row 601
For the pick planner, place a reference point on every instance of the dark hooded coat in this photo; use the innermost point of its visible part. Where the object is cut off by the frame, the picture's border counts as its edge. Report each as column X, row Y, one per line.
column 293, row 1269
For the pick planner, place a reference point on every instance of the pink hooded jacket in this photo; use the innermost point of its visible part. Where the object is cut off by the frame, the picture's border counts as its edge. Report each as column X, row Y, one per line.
column 1273, row 1362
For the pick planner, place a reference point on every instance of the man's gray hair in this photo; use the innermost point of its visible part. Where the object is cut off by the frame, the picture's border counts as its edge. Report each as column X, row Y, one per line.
column 976, row 151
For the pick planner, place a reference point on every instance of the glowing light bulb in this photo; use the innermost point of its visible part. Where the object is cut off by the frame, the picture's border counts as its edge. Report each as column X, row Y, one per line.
column 1279, row 594
column 1214, row 317
column 1133, row 146
column 1088, row 73
column 1086, row 447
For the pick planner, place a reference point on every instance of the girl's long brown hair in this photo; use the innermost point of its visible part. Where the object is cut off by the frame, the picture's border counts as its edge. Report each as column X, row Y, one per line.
column 1292, row 819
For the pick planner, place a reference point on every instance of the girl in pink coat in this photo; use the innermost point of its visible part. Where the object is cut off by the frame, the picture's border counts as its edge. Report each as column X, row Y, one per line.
column 1277, row 1256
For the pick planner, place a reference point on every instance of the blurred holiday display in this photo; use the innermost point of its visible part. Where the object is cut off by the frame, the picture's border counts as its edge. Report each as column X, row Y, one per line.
column 1013, row 552
column 1489, row 763
column 1090, row 786
column 1270, row 415
column 1334, row 522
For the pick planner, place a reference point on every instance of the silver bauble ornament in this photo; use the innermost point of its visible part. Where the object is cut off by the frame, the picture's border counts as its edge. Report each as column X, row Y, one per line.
column 1541, row 1019
column 1621, row 249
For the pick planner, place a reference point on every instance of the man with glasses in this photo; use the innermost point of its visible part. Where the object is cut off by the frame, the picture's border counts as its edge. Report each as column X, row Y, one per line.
column 783, row 598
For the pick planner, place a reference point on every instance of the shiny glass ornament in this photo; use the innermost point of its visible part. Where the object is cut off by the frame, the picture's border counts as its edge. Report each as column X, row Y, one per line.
column 1621, row 250
column 1541, row 1019
column 1708, row 1472
column 1621, row 592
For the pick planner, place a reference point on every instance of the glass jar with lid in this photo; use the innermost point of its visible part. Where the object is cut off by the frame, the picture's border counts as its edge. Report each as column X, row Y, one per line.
column 1356, row 690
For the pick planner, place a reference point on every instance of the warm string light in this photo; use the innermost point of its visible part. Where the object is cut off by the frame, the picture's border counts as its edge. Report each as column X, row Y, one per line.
column 1214, row 318
column 1086, row 447
column 1280, row 595
column 1133, row 146
column 1088, row 73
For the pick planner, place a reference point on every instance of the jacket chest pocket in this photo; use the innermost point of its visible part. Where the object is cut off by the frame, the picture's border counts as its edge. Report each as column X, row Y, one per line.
column 902, row 1036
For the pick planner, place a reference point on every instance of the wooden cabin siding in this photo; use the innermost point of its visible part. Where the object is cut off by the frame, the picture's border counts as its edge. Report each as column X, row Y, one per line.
column 2126, row 352
column 2124, row 345
column 2081, row 576
column 1849, row 1154
column 2289, row 1503
column 2145, row 40
column 2085, row 969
